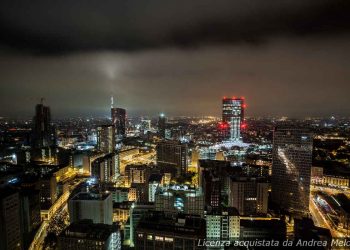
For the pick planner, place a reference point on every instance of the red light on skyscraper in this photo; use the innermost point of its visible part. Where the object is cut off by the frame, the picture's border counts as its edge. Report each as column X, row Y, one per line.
column 244, row 106
column 243, row 126
column 223, row 125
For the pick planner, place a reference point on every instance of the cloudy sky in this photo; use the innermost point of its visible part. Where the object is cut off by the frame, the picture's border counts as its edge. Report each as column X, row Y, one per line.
column 287, row 57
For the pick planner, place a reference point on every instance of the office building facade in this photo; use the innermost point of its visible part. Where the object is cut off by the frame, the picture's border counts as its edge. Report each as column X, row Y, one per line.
column 119, row 122
column 173, row 154
column 291, row 168
column 106, row 138
column 249, row 195
column 233, row 116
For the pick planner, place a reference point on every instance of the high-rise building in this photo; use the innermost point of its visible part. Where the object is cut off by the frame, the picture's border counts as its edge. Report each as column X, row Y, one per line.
column 291, row 168
column 119, row 122
column 249, row 195
column 106, row 138
column 30, row 214
column 213, row 178
column 161, row 125
column 106, row 168
column 87, row 235
column 233, row 116
column 145, row 126
column 10, row 220
column 95, row 207
column 223, row 224
column 153, row 183
column 173, row 154
column 43, row 131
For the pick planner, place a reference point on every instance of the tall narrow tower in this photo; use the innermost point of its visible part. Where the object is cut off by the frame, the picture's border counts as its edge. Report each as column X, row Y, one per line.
column 233, row 115
column 118, row 116
column 43, row 131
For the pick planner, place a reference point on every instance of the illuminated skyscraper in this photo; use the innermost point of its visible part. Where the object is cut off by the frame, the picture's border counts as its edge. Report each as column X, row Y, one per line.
column 291, row 168
column 43, row 132
column 233, row 115
column 161, row 125
column 119, row 121
column 118, row 116
column 106, row 138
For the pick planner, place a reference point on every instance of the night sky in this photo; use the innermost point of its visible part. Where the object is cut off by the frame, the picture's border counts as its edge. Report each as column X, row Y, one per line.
column 287, row 57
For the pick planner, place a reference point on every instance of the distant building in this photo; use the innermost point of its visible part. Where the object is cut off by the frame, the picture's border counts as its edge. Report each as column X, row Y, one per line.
column 223, row 224
column 233, row 115
column 85, row 234
column 43, row 131
column 119, row 194
column 179, row 199
column 137, row 174
column 156, row 231
column 106, row 168
column 249, row 195
column 10, row 220
column 119, row 122
column 173, row 154
column 213, row 178
column 137, row 212
column 291, row 168
column 161, row 125
column 95, row 207
column 106, row 138
column 138, row 192
column 154, row 181
column 145, row 126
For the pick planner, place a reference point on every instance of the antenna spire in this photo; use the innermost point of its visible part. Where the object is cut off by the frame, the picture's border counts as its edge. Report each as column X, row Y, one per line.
column 112, row 102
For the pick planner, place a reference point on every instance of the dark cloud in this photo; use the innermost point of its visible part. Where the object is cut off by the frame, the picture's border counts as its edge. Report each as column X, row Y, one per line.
column 303, row 77
column 54, row 27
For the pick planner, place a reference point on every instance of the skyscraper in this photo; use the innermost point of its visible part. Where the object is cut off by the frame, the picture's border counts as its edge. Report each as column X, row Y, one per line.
column 106, row 138
column 233, row 115
column 43, row 132
column 291, row 168
column 249, row 195
column 173, row 154
column 118, row 116
column 161, row 125
column 10, row 221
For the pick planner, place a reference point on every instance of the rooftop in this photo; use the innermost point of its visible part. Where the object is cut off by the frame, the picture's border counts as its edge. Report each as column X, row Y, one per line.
column 91, row 196
column 88, row 230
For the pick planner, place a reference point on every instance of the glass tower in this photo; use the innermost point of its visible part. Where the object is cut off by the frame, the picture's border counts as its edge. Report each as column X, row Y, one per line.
column 291, row 168
column 233, row 115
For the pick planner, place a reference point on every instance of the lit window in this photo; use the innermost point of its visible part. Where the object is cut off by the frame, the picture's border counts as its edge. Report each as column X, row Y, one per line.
column 159, row 238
